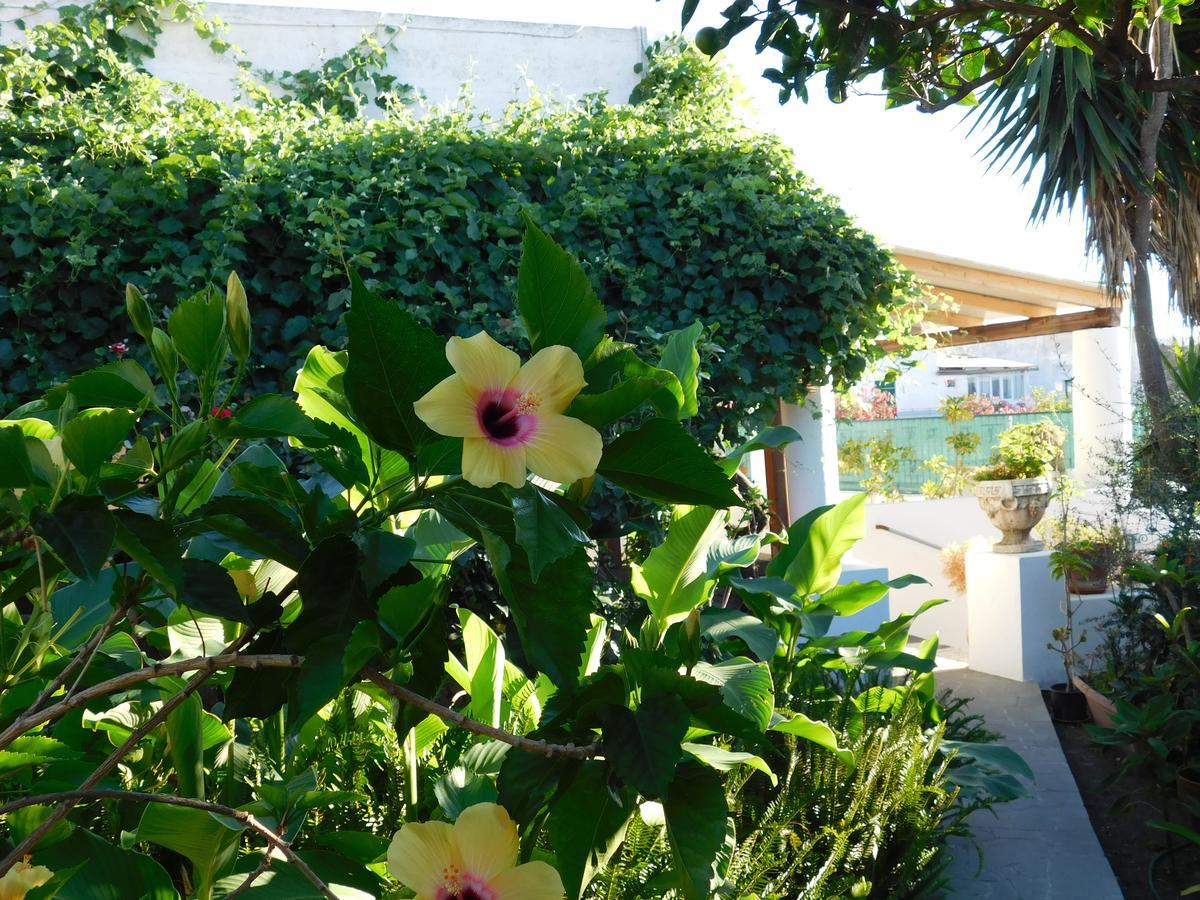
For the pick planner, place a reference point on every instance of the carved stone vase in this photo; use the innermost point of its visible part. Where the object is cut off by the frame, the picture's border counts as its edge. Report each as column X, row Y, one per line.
column 1015, row 507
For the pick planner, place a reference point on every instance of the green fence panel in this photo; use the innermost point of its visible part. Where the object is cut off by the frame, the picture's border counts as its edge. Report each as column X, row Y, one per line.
column 926, row 437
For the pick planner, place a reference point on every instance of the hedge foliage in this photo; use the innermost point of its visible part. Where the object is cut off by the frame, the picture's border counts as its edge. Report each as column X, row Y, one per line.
column 682, row 213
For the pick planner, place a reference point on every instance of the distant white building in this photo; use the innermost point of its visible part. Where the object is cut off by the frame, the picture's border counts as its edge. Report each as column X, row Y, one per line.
column 1007, row 371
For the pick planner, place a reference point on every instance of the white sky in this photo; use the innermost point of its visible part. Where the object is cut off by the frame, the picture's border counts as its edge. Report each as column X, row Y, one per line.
column 912, row 179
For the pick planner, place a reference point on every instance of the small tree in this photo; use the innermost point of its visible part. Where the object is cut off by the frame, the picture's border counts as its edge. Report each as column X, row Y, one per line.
column 951, row 478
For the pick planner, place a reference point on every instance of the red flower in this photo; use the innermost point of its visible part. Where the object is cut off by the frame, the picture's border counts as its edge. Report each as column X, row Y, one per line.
column 120, row 348
column 221, row 412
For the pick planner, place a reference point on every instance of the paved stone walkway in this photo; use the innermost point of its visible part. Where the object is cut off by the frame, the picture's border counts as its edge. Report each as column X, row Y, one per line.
column 1039, row 848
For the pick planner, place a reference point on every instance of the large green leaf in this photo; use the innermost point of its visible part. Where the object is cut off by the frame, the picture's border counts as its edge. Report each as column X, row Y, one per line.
column 696, row 815
column 552, row 615
column 208, row 841
column 545, row 531
column 85, row 604
column 555, row 298
column 394, row 360
column 643, row 745
column 818, row 563
column 209, row 588
column 197, row 327
column 153, row 545
column 80, row 530
column 93, row 436
column 123, row 383
column 256, row 525
column 768, row 439
column 819, row 733
column 680, row 357
column 111, row 872
column 721, row 624
column 674, row 578
column 272, row 415
column 619, row 381
column 727, row 760
column 587, row 823
column 334, row 597
column 661, row 462
column 745, row 685
column 185, row 743
column 16, row 471
column 526, row 781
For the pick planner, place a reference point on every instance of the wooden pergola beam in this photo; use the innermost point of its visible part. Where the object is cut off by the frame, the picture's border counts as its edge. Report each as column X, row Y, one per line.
column 952, row 275
column 1003, row 331
column 957, row 319
column 971, row 301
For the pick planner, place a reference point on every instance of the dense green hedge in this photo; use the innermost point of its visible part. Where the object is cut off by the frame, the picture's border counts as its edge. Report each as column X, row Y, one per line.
column 682, row 214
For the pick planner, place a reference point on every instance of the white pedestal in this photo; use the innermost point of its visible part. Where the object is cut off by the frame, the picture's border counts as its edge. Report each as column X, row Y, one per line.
column 1013, row 605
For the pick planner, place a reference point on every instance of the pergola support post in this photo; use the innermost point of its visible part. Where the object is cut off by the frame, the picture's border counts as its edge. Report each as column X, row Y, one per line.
column 1100, row 398
column 811, row 463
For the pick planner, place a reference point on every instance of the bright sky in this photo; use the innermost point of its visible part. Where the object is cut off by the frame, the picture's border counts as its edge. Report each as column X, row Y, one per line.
column 913, row 179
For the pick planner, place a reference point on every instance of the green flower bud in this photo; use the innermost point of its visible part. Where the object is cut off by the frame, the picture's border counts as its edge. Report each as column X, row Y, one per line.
column 237, row 318
column 162, row 348
column 139, row 311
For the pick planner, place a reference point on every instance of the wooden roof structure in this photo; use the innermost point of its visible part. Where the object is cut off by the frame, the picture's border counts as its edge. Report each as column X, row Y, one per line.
column 996, row 304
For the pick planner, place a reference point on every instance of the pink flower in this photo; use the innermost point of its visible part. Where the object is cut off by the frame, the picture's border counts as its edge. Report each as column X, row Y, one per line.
column 120, row 348
column 221, row 412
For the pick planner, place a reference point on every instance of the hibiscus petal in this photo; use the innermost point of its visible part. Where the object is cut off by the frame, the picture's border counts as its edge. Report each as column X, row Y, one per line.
column 563, row 449
column 531, row 881
column 482, row 363
column 424, row 856
column 554, row 375
column 449, row 408
column 485, row 463
column 487, row 837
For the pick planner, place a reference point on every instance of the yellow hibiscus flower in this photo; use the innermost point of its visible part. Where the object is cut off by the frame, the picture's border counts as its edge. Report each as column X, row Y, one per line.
column 21, row 879
column 473, row 859
column 509, row 415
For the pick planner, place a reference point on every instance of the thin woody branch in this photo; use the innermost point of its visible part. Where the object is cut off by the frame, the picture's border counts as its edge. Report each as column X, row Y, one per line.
column 119, row 682
column 247, row 819
column 453, row 717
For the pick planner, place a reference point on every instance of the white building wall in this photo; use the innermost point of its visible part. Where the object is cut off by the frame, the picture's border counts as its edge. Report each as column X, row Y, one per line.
column 502, row 61
column 920, row 389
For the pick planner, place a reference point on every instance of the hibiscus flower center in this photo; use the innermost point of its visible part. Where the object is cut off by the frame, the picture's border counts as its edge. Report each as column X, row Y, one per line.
column 473, row 889
column 506, row 417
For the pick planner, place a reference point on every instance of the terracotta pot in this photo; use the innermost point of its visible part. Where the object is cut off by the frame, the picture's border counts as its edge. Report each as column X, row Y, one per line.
column 1099, row 706
column 1014, row 507
column 1067, row 705
column 1187, row 784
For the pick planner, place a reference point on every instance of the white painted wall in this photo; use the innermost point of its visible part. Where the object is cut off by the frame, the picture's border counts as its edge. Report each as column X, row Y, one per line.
column 501, row 60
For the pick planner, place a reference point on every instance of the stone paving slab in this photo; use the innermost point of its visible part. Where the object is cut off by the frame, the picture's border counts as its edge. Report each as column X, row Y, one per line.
column 1039, row 848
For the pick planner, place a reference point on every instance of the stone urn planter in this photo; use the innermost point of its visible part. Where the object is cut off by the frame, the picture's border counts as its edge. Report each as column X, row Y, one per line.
column 1015, row 506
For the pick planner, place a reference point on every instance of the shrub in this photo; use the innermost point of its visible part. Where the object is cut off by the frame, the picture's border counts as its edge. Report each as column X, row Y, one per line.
column 681, row 213
column 1026, row 450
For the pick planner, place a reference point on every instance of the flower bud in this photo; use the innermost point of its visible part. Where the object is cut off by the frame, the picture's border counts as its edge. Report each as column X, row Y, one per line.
column 162, row 348
column 237, row 318
column 139, row 311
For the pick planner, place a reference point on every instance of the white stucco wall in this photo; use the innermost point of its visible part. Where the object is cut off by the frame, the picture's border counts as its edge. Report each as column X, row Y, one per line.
column 501, row 60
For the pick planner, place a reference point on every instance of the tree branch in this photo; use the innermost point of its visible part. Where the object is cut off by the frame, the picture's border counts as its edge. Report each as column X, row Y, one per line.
column 543, row 748
column 1172, row 85
column 224, row 661
column 111, row 761
column 961, row 92
column 240, row 815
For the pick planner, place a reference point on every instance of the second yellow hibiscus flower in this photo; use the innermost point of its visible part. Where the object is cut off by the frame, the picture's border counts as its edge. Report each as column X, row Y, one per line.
column 509, row 415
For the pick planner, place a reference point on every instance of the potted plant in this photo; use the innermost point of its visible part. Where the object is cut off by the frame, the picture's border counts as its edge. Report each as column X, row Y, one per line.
column 1014, row 489
column 1095, row 550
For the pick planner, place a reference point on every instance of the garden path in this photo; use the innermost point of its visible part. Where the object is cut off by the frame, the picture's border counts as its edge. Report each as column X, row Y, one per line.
column 1041, row 847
